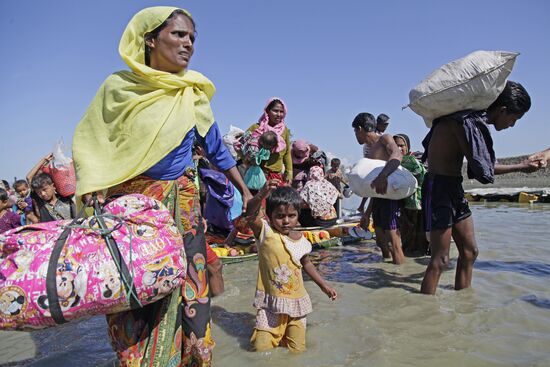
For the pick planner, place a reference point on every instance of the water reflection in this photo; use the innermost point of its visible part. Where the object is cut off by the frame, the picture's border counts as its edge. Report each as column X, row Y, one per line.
column 353, row 264
column 532, row 268
column 536, row 301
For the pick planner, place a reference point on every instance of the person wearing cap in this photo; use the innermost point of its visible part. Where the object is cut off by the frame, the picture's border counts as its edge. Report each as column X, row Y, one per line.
column 385, row 212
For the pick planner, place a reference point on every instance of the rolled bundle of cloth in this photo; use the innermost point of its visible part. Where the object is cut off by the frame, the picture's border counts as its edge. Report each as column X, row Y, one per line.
column 59, row 271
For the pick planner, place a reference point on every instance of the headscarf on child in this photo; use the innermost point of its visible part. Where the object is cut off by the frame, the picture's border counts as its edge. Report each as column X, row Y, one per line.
column 278, row 129
column 318, row 193
column 117, row 139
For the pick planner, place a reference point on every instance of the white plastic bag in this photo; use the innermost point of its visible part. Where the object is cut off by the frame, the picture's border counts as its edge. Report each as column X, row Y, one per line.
column 230, row 138
column 401, row 183
column 60, row 160
column 473, row 82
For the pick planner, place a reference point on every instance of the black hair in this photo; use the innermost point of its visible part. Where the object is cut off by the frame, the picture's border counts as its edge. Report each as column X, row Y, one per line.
column 273, row 103
column 3, row 195
column 40, row 180
column 155, row 32
column 382, row 119
column 514, row 97
column 335, row 160
column 6, row 184
column 284, row 195
column 19, row 183
column 365, row 121
column 268, row 140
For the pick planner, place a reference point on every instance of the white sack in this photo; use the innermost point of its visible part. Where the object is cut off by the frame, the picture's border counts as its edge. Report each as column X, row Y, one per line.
column 401, row 183
column 471, row 83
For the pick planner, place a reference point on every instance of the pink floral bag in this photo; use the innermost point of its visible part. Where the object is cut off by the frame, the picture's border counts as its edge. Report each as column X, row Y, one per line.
column 55, row 272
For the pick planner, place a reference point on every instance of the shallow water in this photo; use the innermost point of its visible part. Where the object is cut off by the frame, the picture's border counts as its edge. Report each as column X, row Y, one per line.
column 380, row 319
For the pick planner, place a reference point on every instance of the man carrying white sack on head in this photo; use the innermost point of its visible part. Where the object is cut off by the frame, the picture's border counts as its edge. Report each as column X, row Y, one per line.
column 385, row 212
column 447, row 214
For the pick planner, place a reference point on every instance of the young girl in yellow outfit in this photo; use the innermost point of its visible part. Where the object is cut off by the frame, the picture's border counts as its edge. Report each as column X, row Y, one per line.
column 281, row 301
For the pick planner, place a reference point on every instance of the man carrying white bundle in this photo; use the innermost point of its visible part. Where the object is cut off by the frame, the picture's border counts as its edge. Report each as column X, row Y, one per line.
column 385, row 212
column 451, row 138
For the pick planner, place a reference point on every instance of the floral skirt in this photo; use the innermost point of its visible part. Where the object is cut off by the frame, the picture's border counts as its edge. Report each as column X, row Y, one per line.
column 174, row 331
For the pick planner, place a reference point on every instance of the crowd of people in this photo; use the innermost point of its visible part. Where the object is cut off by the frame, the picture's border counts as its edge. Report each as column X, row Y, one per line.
column 439, row 211
column 283, row 183
column 33, row 200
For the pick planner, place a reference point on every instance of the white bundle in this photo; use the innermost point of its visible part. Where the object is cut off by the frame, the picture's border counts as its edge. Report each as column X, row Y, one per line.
column 230, row 138
column 401, row 183
column 471, row 83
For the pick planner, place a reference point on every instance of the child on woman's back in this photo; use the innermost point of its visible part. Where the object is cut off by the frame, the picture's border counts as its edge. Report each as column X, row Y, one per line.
column 281, row 300
column 257, row 152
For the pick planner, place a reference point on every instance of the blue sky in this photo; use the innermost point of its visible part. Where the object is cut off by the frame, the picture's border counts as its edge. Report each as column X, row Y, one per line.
column 329, row 60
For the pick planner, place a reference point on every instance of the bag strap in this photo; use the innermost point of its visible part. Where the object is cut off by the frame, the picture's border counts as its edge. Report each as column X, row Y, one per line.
column 51, row 276
column 127, row 278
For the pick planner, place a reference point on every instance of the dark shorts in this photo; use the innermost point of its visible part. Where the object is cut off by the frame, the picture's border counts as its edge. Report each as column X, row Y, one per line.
column 443, row 202
column 385, row 213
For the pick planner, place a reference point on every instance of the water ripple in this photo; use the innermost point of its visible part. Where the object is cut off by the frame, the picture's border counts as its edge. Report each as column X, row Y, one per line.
column 536, row 301
column 532, row 268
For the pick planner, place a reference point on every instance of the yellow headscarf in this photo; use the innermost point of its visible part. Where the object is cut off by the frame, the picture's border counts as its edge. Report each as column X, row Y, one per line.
column 137, row 117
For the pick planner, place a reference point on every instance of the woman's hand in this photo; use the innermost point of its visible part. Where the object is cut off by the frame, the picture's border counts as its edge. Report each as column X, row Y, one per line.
column 247, row 196
column 87, row 198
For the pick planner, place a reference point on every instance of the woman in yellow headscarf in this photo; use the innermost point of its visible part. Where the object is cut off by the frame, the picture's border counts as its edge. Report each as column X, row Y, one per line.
column 137, row 137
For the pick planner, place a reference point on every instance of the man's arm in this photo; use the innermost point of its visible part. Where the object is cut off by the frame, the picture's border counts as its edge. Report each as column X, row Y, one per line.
column 380, row 183
column 526, row 166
